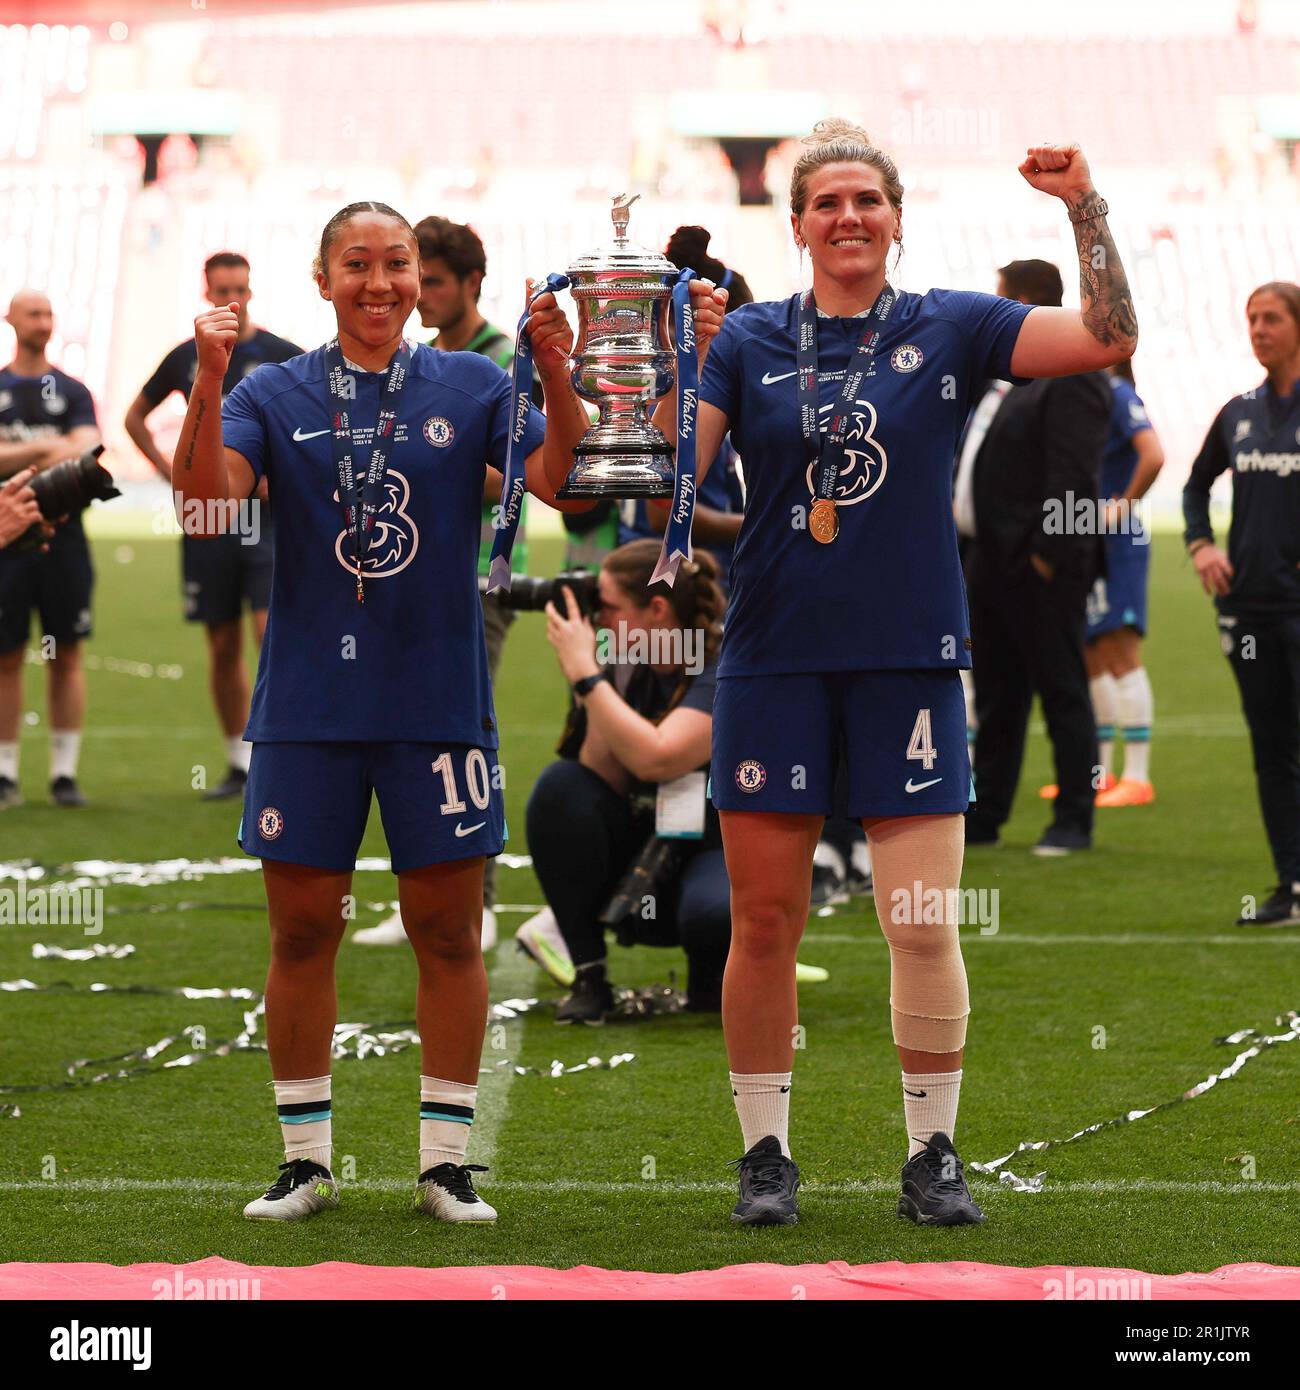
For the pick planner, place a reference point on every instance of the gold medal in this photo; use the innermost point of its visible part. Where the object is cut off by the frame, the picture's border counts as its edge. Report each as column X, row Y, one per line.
column 824, row 522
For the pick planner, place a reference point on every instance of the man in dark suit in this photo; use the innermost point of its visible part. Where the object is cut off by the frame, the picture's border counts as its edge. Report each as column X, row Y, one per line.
column 1034, row 556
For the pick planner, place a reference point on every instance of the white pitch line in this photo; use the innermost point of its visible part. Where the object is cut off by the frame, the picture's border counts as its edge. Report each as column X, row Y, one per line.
column 833, row 1189
column 512, row 975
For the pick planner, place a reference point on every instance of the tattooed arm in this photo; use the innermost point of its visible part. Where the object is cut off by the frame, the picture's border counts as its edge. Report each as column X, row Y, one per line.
column 1059, row 342
column 203, row 469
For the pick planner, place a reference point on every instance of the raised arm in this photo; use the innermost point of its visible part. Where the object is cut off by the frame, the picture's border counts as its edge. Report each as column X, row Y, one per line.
column 203, row 468
column 545, row 469
column 1060, row 342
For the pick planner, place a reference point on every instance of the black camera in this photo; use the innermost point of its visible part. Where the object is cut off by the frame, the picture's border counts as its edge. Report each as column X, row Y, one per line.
column 530, row 593
column 651, row 875
column 70, row 486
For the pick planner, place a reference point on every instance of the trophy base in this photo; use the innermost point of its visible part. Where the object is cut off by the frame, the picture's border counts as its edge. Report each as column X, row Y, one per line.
column 619, row 474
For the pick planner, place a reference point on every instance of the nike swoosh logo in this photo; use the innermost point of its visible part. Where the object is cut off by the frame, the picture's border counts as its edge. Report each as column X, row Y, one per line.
column 462, row 830
column 769, row 380
column 921, row 786
column 299, row 436
column 784, row 1089
column 917, row 1095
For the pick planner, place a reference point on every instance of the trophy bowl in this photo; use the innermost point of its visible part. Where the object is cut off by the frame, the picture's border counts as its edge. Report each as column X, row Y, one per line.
column 623, row 362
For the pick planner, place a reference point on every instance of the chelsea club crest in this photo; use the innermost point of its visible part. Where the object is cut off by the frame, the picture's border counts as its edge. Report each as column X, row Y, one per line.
column 906, row 358
column 439, row 432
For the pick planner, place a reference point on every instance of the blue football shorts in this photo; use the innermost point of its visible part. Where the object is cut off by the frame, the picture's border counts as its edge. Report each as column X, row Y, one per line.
column 1119, row 599
column 308, row 803
column 777, row 742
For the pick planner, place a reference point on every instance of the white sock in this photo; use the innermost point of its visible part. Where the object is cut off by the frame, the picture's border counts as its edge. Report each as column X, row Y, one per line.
column 65, row 748
column 929, row 1106
column 1105, row 709
column 763, row 1106
column 1136, row 709
column 446, row 1114
column 9, row 761
column 239, row 752
column 305, row 1118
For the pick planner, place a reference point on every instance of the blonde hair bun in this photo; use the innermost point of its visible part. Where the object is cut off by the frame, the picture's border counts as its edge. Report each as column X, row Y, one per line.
column 836, row 128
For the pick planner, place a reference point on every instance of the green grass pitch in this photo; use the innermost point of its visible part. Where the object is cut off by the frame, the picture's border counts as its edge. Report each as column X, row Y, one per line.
column 625, row 1168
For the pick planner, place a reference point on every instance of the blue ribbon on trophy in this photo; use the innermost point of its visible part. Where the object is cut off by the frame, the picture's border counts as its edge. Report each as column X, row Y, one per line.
column 513, row 484
column 677, row 534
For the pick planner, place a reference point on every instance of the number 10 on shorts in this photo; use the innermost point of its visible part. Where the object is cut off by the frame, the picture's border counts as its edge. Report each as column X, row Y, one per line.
column 477, row 781
column 921, row 745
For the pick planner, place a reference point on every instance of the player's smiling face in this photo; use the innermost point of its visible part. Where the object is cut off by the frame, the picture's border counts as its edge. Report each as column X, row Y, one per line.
column 1274, row 333
column 848, row 223
column 373, row 280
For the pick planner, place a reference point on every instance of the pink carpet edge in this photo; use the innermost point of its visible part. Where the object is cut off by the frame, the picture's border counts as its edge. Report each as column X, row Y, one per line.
column 214, row 1278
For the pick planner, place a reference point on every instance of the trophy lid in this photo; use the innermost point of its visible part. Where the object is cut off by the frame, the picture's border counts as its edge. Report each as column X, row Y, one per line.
column 621, row 254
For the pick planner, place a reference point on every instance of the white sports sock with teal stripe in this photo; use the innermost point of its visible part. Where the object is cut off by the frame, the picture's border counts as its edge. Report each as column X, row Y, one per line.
column 1136, row 710
column 446, row 1114
column 305, row 1118
column 1105, row 708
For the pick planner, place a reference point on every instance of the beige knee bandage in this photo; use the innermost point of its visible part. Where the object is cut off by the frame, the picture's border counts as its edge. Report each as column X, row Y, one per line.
column 916, row 865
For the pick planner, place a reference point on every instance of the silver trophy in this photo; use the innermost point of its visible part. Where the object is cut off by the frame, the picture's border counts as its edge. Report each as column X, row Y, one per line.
column 623, row 362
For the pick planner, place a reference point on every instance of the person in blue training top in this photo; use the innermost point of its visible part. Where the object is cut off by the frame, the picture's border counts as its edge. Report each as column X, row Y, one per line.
column 847, row 623
column 1256, row 583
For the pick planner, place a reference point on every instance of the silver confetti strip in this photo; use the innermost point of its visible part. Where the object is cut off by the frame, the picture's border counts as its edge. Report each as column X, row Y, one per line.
column 651, row 1000
column 91, row 873
column 40, row 952
column 351, row 1040
column 1290, row 1020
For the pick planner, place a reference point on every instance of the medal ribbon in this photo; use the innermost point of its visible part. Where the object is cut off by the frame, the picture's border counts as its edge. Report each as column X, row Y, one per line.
column 828, row 449
column 360, row 498
column 677, row 534
column 513, row 484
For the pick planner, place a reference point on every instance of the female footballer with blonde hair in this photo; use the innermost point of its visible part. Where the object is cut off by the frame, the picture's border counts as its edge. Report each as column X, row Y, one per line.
column 847, row 625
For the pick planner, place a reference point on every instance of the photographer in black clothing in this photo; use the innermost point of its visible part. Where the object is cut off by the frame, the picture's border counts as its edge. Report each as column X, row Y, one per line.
column 634, row 764
column 1256, row 585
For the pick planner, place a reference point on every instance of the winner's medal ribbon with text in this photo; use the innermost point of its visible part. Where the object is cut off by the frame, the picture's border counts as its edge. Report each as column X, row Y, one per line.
column 359, row 497
column 828, row 449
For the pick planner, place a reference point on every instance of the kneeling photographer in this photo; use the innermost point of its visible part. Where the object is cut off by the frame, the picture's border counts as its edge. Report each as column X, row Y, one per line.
column 619, row 828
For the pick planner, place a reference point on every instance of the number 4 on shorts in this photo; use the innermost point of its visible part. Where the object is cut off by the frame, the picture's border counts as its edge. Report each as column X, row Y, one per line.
column 921, row 744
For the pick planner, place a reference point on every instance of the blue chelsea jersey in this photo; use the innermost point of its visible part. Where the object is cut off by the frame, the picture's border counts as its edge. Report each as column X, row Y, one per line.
column 408, row 665
column 887, row 593
column 1128, row 418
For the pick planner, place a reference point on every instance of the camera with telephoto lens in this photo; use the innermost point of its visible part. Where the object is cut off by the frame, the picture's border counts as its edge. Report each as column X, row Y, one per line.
column 70, row 486
column 530, row 593
column 652, row 874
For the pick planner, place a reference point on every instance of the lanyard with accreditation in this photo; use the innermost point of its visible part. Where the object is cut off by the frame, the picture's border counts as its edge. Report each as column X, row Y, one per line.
column 828, row 450
column 359, row 494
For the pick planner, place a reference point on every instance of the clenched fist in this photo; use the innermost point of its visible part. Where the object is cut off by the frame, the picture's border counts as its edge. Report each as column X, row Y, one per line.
column 709, row 304
column 1060, row 170
column 215, row 334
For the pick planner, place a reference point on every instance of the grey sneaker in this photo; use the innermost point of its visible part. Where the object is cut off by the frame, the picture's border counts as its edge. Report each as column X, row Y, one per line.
column 768, row 1184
